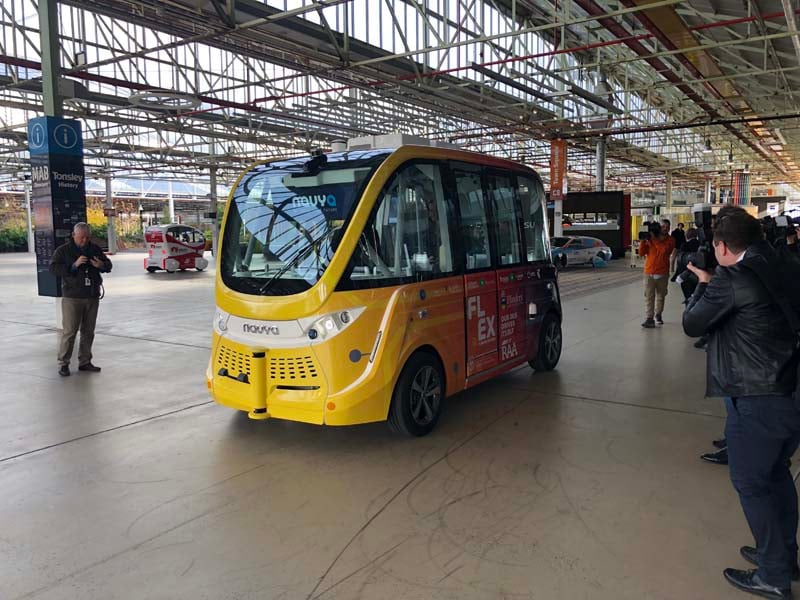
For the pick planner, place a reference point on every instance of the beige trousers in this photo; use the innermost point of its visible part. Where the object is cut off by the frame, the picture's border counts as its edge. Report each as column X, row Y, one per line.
column 79, row 314
column 655, row 291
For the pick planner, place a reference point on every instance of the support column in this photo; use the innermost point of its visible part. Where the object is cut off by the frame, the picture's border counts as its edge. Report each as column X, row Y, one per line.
column 718, row 199
column 51, row 65
column 669, row 192
column 212, row 210
column 172, row 218
column 51, row 73
column 558, row 176
column 707, row 192
column 112, row 234
column 600, row 166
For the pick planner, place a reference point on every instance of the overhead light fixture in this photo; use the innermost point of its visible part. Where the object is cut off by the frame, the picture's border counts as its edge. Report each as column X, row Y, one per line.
column 708, row 149
column 776, row 147
column 160, row 100
column 730, row 157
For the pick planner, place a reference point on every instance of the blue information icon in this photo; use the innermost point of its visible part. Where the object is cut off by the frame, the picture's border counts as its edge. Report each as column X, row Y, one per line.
column 38, row 136
column 65, row 136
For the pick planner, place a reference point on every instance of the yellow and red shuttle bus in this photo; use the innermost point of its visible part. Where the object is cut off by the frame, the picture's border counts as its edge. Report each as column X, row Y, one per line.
column 368, row 285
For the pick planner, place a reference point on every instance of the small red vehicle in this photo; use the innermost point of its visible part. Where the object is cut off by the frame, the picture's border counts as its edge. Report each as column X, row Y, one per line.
column 174, row 248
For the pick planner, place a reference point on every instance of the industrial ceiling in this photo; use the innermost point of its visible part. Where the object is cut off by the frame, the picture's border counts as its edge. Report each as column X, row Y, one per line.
column 697, row 88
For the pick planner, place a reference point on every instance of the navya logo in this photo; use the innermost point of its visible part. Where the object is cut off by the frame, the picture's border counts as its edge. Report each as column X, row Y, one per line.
column 318, row 200
column 261, row 329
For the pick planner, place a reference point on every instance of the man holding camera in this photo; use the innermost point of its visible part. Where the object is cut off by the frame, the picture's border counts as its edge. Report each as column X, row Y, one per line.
column 752, row 362
column 657, row 247
column 79, row 263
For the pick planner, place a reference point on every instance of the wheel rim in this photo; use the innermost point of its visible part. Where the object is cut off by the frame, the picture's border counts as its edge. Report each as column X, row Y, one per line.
column 552, row 342
column 426, row 394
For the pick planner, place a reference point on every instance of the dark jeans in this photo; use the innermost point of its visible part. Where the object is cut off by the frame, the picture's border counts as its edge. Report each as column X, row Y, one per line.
column 763, row 433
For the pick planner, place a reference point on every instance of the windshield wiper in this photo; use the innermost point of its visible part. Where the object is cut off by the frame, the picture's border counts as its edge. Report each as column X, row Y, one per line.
column 300, row 255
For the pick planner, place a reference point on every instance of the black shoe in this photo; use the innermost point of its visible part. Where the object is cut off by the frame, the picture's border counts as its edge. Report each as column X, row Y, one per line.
column 64, row 371
column 718, row 458
column 720, row 443
column 649, row 324
column 750, row 554
column 89, row 367
column 659, row 320
column 749, row 581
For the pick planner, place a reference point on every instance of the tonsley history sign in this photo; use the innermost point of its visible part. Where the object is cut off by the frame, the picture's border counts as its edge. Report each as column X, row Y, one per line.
column 58, row 190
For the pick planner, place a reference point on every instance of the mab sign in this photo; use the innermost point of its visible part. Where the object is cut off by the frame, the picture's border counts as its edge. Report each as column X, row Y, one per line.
column 58, row 196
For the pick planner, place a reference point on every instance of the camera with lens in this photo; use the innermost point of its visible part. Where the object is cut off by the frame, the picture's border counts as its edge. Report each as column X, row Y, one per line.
column 703, row 259
column 653, row 230
column 87, row 252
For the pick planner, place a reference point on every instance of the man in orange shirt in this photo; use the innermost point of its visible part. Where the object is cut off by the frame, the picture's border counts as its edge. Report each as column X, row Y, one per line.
column 657, row 250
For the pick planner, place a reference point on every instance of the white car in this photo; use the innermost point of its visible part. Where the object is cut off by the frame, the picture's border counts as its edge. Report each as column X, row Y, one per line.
column 578, row 250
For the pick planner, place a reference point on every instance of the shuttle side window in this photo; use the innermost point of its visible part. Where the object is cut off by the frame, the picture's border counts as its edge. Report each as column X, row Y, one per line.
column 506, row 227
column 532, row 197
column 407, row 237
column 474, row 227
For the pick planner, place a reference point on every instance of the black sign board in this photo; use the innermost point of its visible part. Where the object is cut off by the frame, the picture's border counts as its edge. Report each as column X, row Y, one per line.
column 58, row 190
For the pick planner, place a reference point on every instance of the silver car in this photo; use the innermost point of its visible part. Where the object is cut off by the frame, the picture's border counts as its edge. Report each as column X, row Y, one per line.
column 578, row 250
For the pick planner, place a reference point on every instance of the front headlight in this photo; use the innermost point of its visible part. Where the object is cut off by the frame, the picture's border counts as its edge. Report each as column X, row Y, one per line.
column 221, row 321
column 329, row 325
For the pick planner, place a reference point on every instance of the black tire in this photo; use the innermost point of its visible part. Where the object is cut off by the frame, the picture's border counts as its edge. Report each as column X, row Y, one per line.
column 550, row 341
column 152, row 269
column 199, row 269
column 562, row 262
column 418, row 396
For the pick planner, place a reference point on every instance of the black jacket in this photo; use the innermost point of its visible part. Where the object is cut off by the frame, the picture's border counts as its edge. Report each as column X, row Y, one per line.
column 679, row 235
column 752, row 351
column 788, row 251
column 73, row 282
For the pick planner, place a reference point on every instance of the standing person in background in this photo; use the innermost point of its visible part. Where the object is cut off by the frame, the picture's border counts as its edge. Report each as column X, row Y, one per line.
column 657, row 249
column 679, row 236
column 79, row 263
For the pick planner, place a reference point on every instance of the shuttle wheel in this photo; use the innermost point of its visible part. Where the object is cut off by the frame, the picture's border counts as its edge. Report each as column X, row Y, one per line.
column 550, row 340
column 418, row 395
column 151, row 269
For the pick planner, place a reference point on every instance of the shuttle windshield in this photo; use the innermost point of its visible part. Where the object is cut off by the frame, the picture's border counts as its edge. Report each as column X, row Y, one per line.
column 286, row 219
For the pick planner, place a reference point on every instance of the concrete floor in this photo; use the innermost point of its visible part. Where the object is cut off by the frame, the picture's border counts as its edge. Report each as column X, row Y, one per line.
column 581, row 483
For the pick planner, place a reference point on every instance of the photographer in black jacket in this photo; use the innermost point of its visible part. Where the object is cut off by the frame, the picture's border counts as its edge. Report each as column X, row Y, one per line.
column 79, row 263
column 752, row 362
